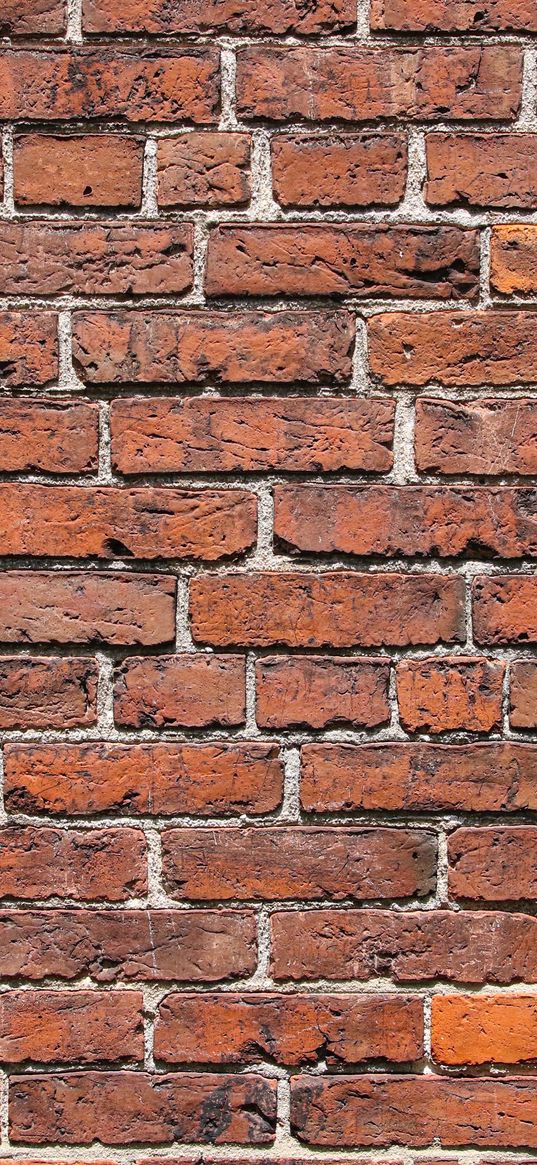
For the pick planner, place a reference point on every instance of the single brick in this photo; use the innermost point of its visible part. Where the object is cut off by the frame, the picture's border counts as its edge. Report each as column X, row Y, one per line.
column 54, row 436
column 211, row 435
column 406, row 520
column 333, row 609
column 489, row 778
column 342, row 170
column 110, row 522
column 216, row 347
column 513, row 260
column 28, row 348
column 481, row 170
column 414, row 1110
column 493, row 865
column 73, row 607
column 505, row 609
column 158, row 778
column 454, row 348
column 47, row 693
column 481, row 1029
column 357, row 84
column 63, row 1027
column 319, row 691
column 86, row 170
column 204, row 169
column 523, row 702
column 33, row 17
column 454, row 16
column 124, row 1108
column 213, row 16
column 181, row 691
column 408, row 946
column 271, row 864
column 420, row 262
column 492, row 437
column 443, row 695
column 91, row 258
column 293, row 1030
column 195, row 946
column 134, row 84
column 107, row 865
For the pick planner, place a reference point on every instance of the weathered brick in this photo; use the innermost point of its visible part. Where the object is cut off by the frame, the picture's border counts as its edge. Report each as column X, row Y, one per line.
column 487, row 778
column 124, row 1108
column 505, row 609
column 420, row 262
column 333, row 609
column 406, row 520
column 175, row 691
column 363, row 84
column 216, row 347
column 271, row 864
column 454, row 16
column 343, row 170
column 493, row 865
column 408, row 946
column 87, row 258
column 492, row 437
column 28, row 348
column 86, row 170
column 47, row 693
column 70, row 1026
column 196, row 946
column 513, row 260
column 143, row 778
column 86, row 865
column 442, row 695
column 290, row 1030
column 319, row 691
column 211, row 435
column 55, row 436
column 110, row 522
column 204, row 169
column 492, row 169
column 72, row 607
column 233, row 16
column 33, row 17
column 523, row 698
column 479, row 1029
column 130, row 84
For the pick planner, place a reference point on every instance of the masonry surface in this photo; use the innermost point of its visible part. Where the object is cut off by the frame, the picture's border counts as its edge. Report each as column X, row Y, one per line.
column 268, row 602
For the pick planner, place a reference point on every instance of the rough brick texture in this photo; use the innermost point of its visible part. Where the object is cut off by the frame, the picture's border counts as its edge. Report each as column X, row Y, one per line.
column 268, row 597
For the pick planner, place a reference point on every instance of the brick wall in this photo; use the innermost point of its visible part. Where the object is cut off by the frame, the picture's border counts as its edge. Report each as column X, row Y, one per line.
column 268, row 687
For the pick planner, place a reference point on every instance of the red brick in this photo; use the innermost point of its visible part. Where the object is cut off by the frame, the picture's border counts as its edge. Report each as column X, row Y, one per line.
column 492, row 169
column 523, row 703
column 176, row 691
column 443, row 695
column 493, row 865
column 505, row 609
column 47, row 693
column 86, row 865
column 492, row 437
column 33, row 17
column 479, row 1029
column 290, row 1030
column 333, row 609
column 60, row 1027
column 343, row 170
column 196, row 946
column 513, row 260
column 83, row 521
column 134, row 84
column 487, row 778
column 86, row 170
column 211, row 435
column 420, row 262
column 271, row 864
column 55, row 436
column 143, row 778
column 458, row 16
column 454, row 348
column 413, row 1110
column 408, row 946
column 357, row 84
column 86, row 258
column 215, row 347
column 204, row 169
column 28, row 348
column 233, row 16
column 406, row 520
column 125, row 1108
column 72, row 607
column 319, row 691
